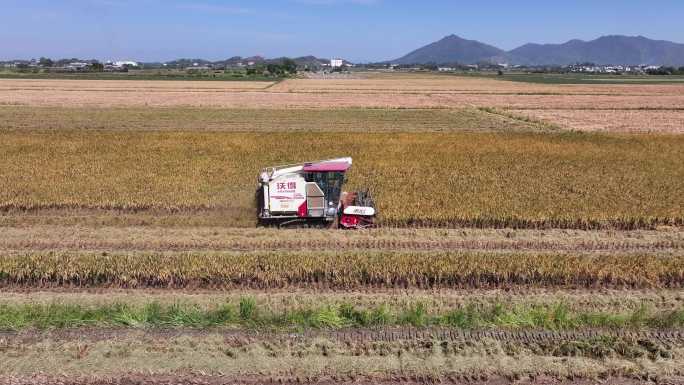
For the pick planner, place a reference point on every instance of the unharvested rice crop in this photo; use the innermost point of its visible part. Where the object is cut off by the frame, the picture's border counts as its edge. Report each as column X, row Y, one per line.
column 445, row 179
column 346, row 270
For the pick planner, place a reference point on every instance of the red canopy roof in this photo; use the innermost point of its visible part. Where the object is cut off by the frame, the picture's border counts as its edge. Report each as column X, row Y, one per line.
column 327, row 167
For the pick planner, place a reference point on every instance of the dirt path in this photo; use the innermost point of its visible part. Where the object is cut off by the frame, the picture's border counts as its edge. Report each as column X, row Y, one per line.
column 243, row 337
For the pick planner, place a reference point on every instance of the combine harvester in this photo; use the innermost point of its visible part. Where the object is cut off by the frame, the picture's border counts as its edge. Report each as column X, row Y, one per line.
column 310, row 195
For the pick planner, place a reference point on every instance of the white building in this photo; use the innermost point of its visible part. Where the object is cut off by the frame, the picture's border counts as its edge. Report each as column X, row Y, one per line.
column 121, row 64
column 125, row 63
column 336, row 63
column 77, row 66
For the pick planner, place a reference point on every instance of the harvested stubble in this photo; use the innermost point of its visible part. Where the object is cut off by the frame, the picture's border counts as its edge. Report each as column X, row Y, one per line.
column 340, row 270
column 517, row 180
column 422, row 83
column 397, row 92
column 617, row 120
column 27, row 237
column 257, row 120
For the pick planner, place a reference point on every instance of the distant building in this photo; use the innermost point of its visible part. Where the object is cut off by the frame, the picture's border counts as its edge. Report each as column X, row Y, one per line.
column 336, row 63
column 77, row 66
column 122, row 65
column 125, row 63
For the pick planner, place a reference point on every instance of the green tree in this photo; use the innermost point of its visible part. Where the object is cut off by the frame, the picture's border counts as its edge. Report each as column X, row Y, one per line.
column 289, row 66
column 45, row 62
column 274, row 69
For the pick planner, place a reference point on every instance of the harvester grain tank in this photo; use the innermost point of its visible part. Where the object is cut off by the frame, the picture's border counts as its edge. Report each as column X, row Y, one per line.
column 310, row 195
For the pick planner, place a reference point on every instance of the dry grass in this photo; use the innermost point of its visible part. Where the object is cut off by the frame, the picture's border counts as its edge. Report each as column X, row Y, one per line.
column 340, row 270
column 445, row 179
column 433, row 301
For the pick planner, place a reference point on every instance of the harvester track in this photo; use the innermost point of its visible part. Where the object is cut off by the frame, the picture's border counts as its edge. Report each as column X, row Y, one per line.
column 525, row 336
column 397, row 334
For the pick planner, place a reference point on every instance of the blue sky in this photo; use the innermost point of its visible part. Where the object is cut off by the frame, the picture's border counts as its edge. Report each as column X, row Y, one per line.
column 359, row 30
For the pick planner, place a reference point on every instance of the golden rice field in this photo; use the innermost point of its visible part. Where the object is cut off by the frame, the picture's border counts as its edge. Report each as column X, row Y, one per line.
column 340, row 270
column 433, row 179
column 127, row 229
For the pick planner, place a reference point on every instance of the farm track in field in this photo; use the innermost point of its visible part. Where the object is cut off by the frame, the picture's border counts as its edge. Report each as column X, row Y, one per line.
column 426, row 356
column 237, row 338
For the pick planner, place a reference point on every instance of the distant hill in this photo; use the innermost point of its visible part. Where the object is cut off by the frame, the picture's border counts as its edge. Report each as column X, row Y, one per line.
column 614, row 49
column 451, row 49
column 604, row 50
column 308, row 61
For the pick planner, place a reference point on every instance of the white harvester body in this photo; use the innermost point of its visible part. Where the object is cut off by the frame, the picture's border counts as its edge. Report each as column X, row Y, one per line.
column 310, row 194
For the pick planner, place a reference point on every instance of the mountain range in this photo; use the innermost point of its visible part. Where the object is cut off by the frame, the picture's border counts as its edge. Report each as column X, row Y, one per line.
column 613, row 49
column 309, row 61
